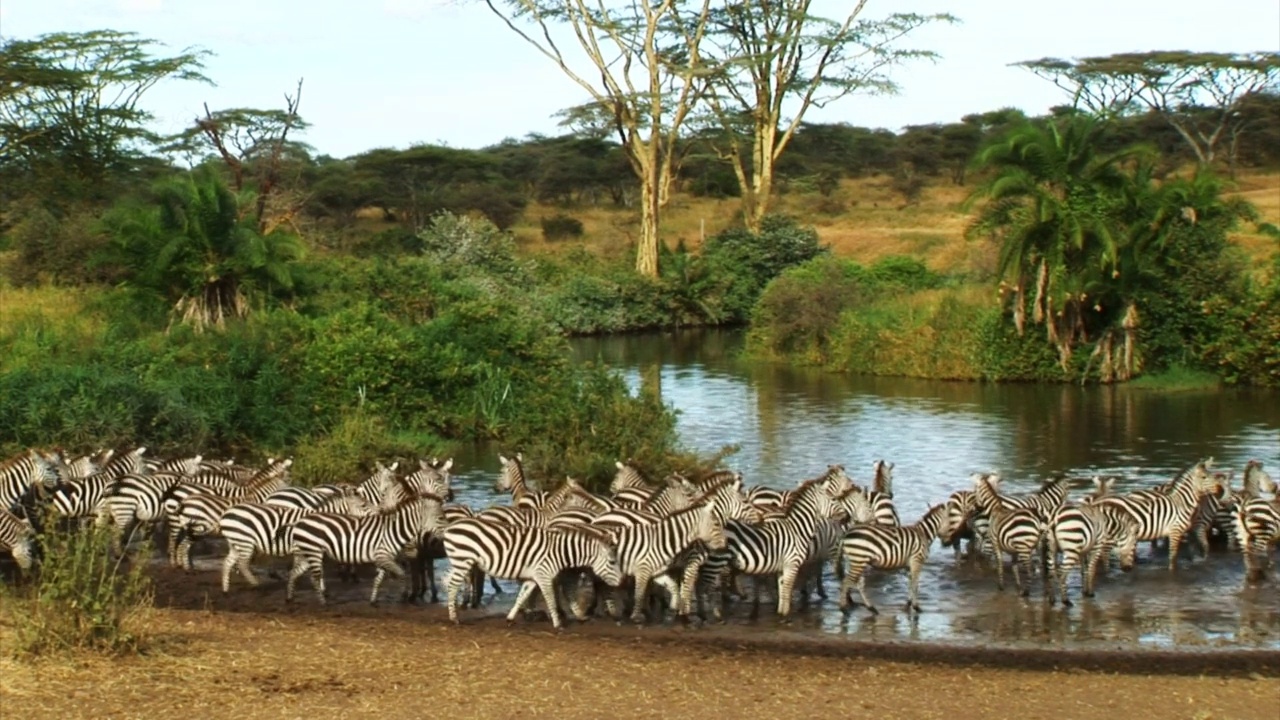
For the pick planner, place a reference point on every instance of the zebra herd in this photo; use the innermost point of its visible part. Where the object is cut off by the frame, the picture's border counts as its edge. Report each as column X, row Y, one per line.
column 680, row 544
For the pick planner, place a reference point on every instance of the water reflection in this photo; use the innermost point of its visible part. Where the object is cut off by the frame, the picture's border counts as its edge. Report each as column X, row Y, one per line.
column 791, row 422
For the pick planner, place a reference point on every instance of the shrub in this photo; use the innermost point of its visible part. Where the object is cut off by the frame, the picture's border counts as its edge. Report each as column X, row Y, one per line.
column 470, row 244
column 561, row 227
column 799, row 311
column 81, row 598
column 748, row 261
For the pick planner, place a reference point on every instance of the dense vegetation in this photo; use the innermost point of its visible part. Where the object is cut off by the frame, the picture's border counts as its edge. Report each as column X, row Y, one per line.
column 268, row 299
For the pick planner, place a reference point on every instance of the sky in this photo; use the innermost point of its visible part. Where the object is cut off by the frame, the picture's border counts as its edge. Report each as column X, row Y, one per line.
column 391, row 73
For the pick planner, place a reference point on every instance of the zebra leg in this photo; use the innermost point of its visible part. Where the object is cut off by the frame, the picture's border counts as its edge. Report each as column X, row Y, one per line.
column 913, row 593
column 1175, row 542
column 786, row 583
column 430, row 570
column 1089, row 575
column 547, row 584
column 459, row 573
column 689, row 586
column 862, row 590
column 522, row 598
column 999, row 558
column 1023, row 559
column 297, row 571
column 385, row 565
column 852, row 576
column 641, row 590
column 1062, row 569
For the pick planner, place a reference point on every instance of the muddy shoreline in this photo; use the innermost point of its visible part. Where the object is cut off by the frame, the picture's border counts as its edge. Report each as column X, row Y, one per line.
column 200, row 591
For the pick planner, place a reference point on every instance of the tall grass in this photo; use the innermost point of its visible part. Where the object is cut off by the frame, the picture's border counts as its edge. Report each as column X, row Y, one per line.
column 80, row 597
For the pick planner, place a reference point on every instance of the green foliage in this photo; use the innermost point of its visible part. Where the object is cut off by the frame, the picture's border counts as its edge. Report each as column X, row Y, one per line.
column 51, row 248
column 82, row 597
column 748, row 261
column 560, row 227
column 347, row 452
column 471, row 245
column 193, row 247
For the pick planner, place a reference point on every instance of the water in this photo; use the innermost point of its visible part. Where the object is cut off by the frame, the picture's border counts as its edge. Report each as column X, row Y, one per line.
column 790, row 423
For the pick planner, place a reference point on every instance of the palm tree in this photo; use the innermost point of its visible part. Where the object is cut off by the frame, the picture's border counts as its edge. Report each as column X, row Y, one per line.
column 195, row 247
column 1054, row 202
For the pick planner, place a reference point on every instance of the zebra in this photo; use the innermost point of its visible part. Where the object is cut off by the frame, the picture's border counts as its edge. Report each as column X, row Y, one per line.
column 375, row 538
column 1254, row 483
column 782, row 547
column 266, row 529
column 1017, row 531
column 1085, row 534
column 1257, row 522
column 17, row 535
column 512, row 480
column 194, row 511
column 139, row 499
column 532, row 554
column 886, row 547
column 25, row 477
column 86, row 465
column 646, row 552
column 881, row 494
column 1168, row 514
column 630, row 485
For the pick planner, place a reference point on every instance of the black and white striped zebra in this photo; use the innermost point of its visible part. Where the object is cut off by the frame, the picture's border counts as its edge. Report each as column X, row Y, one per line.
column 886, row 547
column 648, row 551
column 264, row 529
column 26, row 478
column 534, row 555
column 512, row 480
column 1080, row 536
column 1017, row 531
column 783, row 547
column 1254, row 484
column 377, row 539
column 881, row 494
column 1257, row 522
column 631, row 487
column 195, row 510
column 140, row 499
column 1168, row 514
column 17, row 537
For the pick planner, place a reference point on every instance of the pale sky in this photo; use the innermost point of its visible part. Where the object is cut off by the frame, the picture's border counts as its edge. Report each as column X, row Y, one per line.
column 390, row 73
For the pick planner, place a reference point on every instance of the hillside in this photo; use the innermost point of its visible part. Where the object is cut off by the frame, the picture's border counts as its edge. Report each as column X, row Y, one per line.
column 863, row 220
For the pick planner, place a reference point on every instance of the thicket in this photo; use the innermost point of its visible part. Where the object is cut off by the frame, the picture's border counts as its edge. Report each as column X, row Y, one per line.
column 83, row 597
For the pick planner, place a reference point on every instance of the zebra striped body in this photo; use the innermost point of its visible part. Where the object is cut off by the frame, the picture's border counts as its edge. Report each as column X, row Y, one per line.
column 1167, row 514
column 1084, row 535
column 1257, row 524
column 376, row 539
column 17, row 536
column 25, row 476
column 889, row 548
column 265, row 529
column 512, row 480
column 647, row 551
column 782, row 547
column 195, row 511
column 534, row 555
column 1017, row 531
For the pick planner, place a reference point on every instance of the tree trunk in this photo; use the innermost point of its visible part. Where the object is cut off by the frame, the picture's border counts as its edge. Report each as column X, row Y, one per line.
column 762, row 189
column 650, row 211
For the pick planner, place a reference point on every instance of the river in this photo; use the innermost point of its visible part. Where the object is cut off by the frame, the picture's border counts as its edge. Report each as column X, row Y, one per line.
column 789, row 423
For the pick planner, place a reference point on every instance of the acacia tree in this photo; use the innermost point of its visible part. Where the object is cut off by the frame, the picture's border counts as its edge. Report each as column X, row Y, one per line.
column 648, row 81
column 777, row 59
column 1198, row 93
column 70, row 104
column 255, row 146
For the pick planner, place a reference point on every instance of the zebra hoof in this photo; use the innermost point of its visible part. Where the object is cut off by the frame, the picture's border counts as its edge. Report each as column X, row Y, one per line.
column 1067, row 603
column 873, row 609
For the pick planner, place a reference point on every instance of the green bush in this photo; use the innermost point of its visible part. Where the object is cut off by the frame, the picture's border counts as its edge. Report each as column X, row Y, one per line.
column 748, row 261
column 82, row 598
column 799, row 312
column 561, row 227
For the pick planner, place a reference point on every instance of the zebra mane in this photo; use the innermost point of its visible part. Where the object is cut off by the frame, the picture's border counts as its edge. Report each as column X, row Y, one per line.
column 883, row 481
column 10, row 463
column 802, row 490
column 589, row 531
column 412, row 498
column 269, row 474
column 932, row 512
column 716, row 476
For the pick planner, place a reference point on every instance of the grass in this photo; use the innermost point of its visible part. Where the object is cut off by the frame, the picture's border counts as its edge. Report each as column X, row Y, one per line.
column 872, row 223
column 1177, row 379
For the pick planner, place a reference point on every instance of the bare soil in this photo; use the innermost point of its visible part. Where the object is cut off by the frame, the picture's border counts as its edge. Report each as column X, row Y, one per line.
column 248, row 655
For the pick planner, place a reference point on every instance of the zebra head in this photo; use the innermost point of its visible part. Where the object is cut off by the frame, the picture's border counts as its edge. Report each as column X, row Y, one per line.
column 710, row 524
column 512, row 475
column 629, row 475
column 49, row 470
column 883, row 482
column 1125, row 537
column 185, row 467
column 731, row 500
column 602, row 551
column 985, row 490
column 1103, row 486
column 855, row 503
column 83, row 466
column 835, row 481
column 1256, row 480
column 432, row 479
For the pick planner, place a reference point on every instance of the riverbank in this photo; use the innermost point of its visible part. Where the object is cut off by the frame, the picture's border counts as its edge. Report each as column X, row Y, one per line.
column 350, row 661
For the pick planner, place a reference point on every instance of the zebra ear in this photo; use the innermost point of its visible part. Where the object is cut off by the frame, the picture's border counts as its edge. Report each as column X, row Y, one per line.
column 446, row 465
column 618, row 464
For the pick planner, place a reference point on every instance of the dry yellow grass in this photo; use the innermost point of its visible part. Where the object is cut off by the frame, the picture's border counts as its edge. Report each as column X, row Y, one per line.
column 300, row 665
column 864, row 220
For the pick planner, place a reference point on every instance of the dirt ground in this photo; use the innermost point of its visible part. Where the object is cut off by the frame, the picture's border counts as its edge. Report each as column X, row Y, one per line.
column 250, row 656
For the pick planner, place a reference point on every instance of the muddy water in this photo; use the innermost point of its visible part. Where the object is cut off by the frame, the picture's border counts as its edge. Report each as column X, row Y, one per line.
column 790, row 423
